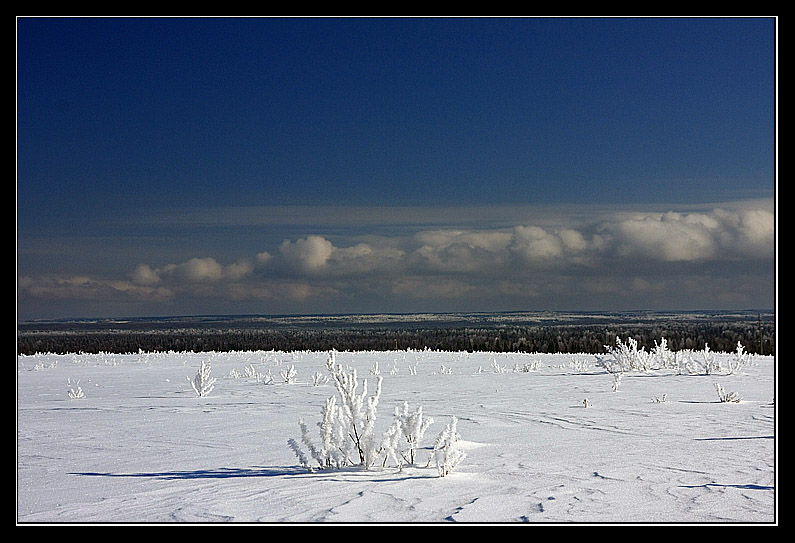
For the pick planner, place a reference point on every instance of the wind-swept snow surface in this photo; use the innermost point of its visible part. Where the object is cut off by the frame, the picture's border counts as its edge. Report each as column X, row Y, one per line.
column 547, row 438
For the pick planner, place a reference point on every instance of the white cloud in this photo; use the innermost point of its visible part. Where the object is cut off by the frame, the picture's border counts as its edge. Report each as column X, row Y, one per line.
column 458, row 251
column 572, row 239
column 608, row 257
column 309, row 253
column 667, row 237
column 717, row 235
column 195, row 270
column 145, row 275
column 200, row 269
column 534, row 244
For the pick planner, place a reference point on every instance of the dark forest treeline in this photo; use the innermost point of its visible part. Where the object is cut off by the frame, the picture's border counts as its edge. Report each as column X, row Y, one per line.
column 720, row 336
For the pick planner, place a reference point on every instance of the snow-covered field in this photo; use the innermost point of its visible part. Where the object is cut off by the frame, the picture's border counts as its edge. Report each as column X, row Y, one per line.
column 141, row 446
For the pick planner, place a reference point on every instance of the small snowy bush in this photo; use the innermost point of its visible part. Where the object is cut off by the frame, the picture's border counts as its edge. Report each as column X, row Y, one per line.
column 318, row 379
column 739, row 359
column 251, row 372
column 629, row 357
column 202, row 383
column 289, row 374
column 347, row 428
column 726, row 397
column 75, row 393
column 413, row 427
column 446, row 452
column 527, row 367
column 497, row 368
column 617, row 380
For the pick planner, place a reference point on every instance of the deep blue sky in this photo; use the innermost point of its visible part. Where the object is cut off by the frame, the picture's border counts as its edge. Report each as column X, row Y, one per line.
column 163, row 141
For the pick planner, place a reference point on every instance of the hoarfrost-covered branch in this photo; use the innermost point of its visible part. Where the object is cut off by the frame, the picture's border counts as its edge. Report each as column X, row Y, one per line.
column 446, row 452
column 202, row 383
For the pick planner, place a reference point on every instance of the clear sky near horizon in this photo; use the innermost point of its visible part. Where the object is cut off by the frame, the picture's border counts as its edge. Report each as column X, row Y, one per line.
column 175, row 166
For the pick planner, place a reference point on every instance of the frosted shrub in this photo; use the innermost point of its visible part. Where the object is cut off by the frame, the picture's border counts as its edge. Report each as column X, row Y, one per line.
column 446, row 452
column 44, row 365
column 413, row 427
column 739, row 359
column 289, row 374
column 533, row 365
column 319, row 379
column 686, row 363
column 75, row 393
column 358, row 412
column 617, row 380
column 497, row 368
column 663, row 357
column 347, row 429
column 267, row 378
column 333, row 451
column 390, row 444
column 701, row 362
column 629, row 357
column 578, row 365
column 710, row 364
column 202, row 383
column 726, row 397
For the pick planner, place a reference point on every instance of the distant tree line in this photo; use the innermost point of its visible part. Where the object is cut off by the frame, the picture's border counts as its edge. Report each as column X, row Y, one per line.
column 589, row 338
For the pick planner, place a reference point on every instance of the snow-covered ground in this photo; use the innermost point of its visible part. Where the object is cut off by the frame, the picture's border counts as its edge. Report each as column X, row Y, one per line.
column 142, row 446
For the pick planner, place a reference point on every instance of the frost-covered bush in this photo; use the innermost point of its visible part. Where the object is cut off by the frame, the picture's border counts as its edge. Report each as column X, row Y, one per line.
column 266, row 378
column 578, row 365
column 318, row 379
column 533, row 365
column 202, row 383
column 347, row 428
column 75, row 393
column 446, row 451
column 726, row 397
column 251, row 372
column 617, row 380
column 709, row 362
column 740, row 358
column 289, row 374
column 626, row 357
column 629, row 357
column 413, row 427
column 663, row 356
column 497, row 368
column 705, row 362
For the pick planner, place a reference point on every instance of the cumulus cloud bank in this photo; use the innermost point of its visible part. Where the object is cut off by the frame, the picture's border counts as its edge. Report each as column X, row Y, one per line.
column 677, row 237
column 649, row 254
